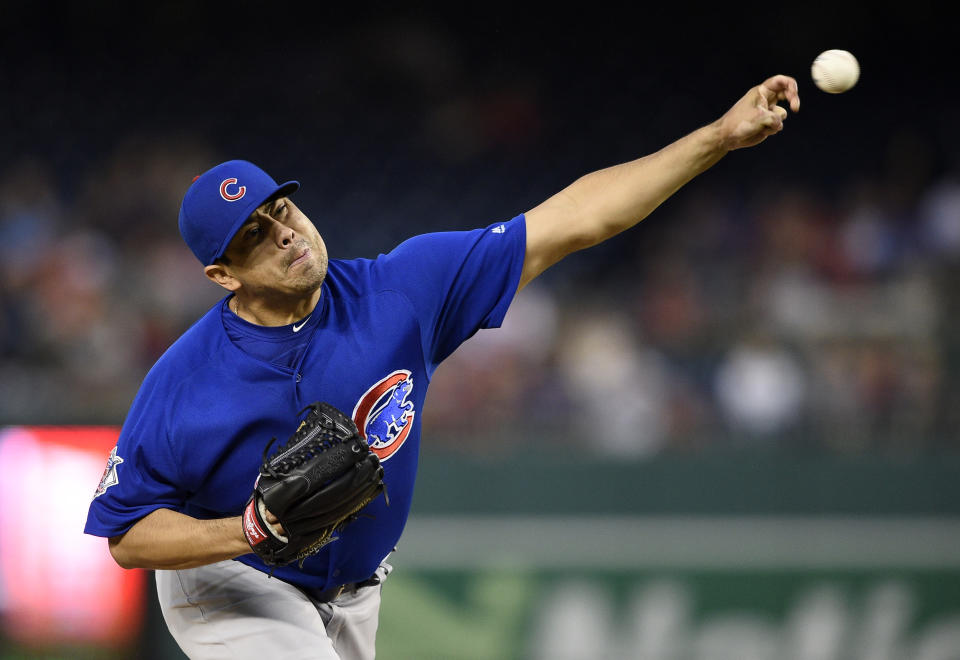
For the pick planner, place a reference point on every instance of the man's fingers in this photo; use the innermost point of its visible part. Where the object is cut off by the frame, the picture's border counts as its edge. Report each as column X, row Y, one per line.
column 781, row 88
column 757, row 115
column 275, row 522
column 773, row 120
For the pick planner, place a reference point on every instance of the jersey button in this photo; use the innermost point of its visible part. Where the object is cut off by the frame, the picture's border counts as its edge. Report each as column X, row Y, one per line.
column 299, row 376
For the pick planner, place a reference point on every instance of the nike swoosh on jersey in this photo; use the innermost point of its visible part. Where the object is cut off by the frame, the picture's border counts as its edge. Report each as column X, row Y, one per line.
column 298, row 328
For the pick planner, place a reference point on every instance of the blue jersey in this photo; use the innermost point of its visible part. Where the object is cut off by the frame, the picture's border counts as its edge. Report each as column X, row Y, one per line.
column 195, row 434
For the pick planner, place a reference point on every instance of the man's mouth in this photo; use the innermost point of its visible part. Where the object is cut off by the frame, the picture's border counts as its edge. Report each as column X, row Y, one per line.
column 299, row 260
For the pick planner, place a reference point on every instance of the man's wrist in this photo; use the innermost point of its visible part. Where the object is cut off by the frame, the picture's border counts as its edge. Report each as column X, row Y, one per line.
column 716, row 138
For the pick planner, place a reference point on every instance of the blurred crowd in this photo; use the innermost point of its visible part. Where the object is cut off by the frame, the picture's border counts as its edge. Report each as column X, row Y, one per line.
column 780, row 320
column 779, row 317
column 760, row 307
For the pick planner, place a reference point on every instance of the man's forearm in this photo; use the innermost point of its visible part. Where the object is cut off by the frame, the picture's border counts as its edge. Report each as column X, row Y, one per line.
column 614, row 199
column 630, row 192
column 606, row 202
column 165, row 539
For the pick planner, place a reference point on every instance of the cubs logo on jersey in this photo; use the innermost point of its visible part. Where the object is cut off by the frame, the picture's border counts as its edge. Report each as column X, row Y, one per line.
column 109, row 477
column 384, row 414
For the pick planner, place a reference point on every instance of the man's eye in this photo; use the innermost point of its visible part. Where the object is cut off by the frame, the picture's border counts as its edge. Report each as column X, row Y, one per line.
column 281, row 209
column 253, row 232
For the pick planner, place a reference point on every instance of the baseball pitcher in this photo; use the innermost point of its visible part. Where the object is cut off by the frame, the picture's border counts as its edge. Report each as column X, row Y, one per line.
column 266, row 466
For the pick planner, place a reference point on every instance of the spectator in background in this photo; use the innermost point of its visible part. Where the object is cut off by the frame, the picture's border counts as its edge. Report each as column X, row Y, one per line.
column 616, row 387
column 760, row 388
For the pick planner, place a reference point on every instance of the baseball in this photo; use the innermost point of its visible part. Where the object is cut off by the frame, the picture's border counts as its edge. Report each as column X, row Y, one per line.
column 835, row 71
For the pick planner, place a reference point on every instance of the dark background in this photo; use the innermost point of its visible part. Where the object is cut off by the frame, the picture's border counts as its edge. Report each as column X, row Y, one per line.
column 314, row 90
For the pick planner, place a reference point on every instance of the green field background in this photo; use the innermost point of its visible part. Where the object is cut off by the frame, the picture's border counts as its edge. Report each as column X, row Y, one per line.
column 661, row 615
column 727, row 557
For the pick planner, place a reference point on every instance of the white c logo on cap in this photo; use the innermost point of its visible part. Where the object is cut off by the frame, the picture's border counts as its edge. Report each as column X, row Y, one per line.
column 241, row 191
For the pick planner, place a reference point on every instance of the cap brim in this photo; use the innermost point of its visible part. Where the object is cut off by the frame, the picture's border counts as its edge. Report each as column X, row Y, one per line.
column 284, row 189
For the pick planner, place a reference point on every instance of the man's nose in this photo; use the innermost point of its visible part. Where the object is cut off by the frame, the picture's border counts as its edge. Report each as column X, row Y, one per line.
column 284, row 234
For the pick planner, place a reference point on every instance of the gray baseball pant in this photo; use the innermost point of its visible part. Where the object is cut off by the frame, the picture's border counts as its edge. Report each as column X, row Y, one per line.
column 228, row 611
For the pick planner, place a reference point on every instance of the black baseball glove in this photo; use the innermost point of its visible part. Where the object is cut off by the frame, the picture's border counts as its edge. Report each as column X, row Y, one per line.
column 314, row 484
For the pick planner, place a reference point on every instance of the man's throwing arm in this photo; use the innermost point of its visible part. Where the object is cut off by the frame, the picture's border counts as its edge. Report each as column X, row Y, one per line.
column 606, row 202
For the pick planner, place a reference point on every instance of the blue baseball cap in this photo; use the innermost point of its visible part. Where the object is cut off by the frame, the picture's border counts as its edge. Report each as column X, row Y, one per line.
column 220, row 200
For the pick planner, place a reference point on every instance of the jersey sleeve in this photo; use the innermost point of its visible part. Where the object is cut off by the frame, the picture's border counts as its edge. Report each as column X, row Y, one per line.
column 142, row 474
column 457, row 282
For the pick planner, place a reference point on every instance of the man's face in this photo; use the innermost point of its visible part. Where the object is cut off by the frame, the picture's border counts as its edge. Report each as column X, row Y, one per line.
column 278, row 251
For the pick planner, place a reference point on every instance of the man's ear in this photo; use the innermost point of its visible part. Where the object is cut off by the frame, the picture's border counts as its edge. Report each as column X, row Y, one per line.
column 218, row 274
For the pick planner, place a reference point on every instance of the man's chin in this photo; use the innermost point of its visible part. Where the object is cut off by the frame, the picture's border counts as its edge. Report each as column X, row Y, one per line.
column 311, row 276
